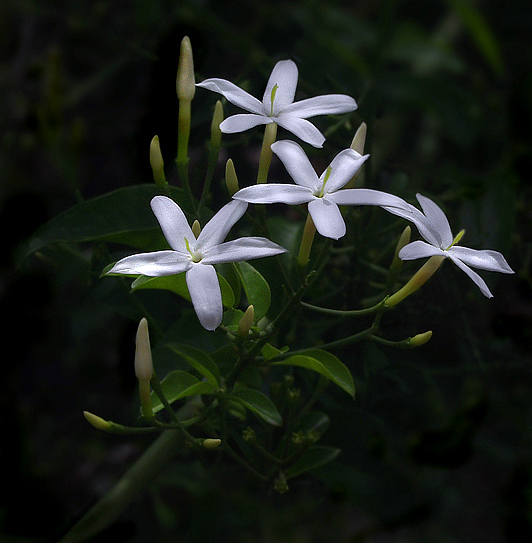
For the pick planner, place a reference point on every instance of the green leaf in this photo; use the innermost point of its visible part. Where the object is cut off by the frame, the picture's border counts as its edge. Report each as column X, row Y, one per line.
column 122, row 216
column 314, row 421
column 269, row 351
column 324, row 363
column 179, row 384
column 312, row 458
column 178, row 285
column 258, row 403
column 256, row 288
column 200, row 361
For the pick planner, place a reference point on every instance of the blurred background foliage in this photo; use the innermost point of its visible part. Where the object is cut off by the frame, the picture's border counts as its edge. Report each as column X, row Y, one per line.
column 437, row 446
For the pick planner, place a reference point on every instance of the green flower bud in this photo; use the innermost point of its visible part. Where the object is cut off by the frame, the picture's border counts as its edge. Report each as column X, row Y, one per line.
column 211, row 443
column 420, row 339
column 97, row 422
column 185, row 82
column 156, row 162
column 143, row 358
column 246, row 322
column 231, row 180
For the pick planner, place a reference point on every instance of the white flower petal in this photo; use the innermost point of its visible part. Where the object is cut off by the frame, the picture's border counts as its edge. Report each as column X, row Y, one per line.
column 343, row 167
column 205, row 293
column 368, row 197
column 437, row 221
column 328, row 104
column 420, row 249
column 242, row 122
column 297, row 164
column 154, row 264
column 284, row 75
column 242, row 249
column 474, row 276
column 327, row 218
column 173, row 222
column 237, row 96
column 483, row 259
column 301, row 128
column 215, row 231
column 274, row 193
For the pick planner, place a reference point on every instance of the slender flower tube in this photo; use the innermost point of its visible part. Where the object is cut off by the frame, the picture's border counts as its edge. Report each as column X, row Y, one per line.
column 278, row 105
column 323, row 193
column 196, row 255
column 439, row 241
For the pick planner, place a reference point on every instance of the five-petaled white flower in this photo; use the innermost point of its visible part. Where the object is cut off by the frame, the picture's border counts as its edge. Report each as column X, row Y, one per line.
column 434, row 228
column 278, row 105
column 196, row 256
column 323, row 193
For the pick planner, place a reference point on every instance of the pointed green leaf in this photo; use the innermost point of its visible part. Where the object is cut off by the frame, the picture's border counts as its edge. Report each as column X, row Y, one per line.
column 312, row 458
column 179, row 384
column 178, row 285
column 200, row 361
column 258, row 403
column 269, row 351
column 324, row 363
column 123, row 215
column 256, row 288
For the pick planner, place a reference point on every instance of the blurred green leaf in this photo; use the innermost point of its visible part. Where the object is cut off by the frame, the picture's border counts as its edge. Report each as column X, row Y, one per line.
column 324, row 363
column 256, row 288
column 314, row 421
column 258, row 403
column 200, row 361
column 312, row 458
column 123, row 216
column 179, row 384
column 269, row 351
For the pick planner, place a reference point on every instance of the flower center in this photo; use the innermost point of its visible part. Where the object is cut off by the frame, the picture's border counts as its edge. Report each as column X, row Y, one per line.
column 196, row 256
column 272, row 97
column 325, row 179
column 456, row 239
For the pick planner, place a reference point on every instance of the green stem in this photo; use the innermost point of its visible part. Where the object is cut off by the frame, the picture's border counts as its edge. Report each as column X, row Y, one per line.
column 306, row 242
column 141, row 474
column 348, row 313
column 270, row 133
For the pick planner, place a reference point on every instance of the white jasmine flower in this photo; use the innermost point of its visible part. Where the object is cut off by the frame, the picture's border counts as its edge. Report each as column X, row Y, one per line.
column 323, row 193
column 278, row 105
column 196, row 256
column 434, row 228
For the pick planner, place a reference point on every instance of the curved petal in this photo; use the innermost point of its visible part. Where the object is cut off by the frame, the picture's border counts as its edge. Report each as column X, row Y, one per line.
column 327, row 104
column 420, row 249
column 437, row 220
column 368, row 197
column 301, row 128
column 205, row 293
column 215, row 231
column 474, row 276
column 242, row 122
column 327, row 218
column 343, row 167
column 237, row 96
column 297, row 164
column 154, row 264
column 284, row 75
column 483, row 259
column 274, row 193
column 242, row 249
column 173, row 222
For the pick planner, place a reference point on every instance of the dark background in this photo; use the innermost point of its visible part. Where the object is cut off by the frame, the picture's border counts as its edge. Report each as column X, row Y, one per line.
column 438, row 445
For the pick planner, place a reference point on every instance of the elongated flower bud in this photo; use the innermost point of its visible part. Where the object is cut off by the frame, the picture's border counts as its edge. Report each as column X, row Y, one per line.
column 143, row 358
column 185, row 82
column 246, row 322
column 418, row 280
column 97, row 422
column 156, row 162
column 211, row 443
column 231, row 180
column 217, row 118
column 420, row 339
column 359, row 139
column 404, row 239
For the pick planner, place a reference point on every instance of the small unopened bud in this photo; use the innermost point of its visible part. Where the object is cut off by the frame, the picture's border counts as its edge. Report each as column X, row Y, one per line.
column 143, row 358
column 196, row 228
column 397, row 263
column 359, row 139
column 97, row 422
column 420, row 339
column 231, row 180
column 211, row 443
column 185, row 82
column 217, row 118
column 418, row 280
column 156, row 162
column 249, row 434
column 246, row 322
column 280, row 483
